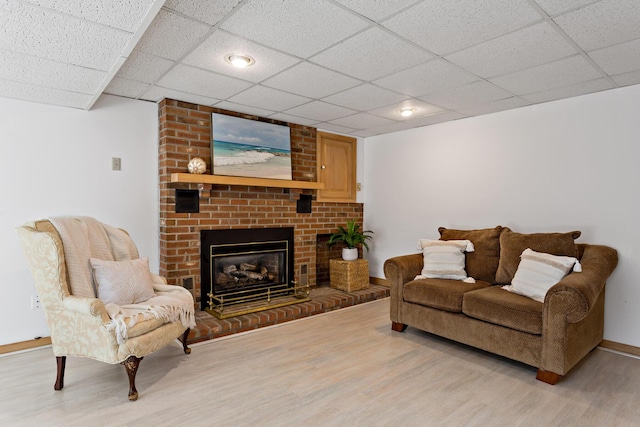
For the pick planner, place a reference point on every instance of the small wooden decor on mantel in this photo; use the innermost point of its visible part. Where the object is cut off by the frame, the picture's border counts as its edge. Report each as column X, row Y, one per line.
column 349, row 276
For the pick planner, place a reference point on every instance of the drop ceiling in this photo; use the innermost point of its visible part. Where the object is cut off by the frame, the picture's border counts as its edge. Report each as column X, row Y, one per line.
column 345, row 66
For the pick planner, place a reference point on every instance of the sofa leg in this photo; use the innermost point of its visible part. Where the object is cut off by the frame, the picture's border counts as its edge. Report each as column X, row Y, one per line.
column 131, row 365
column 61, row 361
column 398, row 327
column 185, row 348
column 548, row 377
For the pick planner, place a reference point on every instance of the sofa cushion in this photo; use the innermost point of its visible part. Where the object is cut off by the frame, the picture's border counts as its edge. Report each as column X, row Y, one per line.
column 538, row 272
column 483, row 262
column 445, row 259
column 513, row 244
column 443, row 294
column 504, row 308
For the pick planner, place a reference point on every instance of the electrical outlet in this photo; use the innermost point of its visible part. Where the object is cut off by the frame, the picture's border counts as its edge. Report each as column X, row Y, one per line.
column 358, row 187
column 116, row 163
column 35, row 302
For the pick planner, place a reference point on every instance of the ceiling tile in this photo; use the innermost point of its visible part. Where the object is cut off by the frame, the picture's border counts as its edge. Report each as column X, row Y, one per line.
column 627, row 79
column 171, row 36
column 420, row 109
column 210, row 12
column 211, row 56
column 43, row 95
column 293, row 119
column 618, row 59
column 365, row 97
column 329, row 127
column 320, row 111
column 493, row 107
column 269, row 99
column 28, row 69
column 603, row 23
column 125, row 87
column 156, row 94
column 561, row 73
column 311, row 80
column 419, row 122
column 474, row 93
column 554, row 7
column 122, row 14
column 525, row 48
column 201, row 82
column 302, row 28
column 363, row 133
column 426, row 78
column 436, row 24
column 144, row 67
column 376, row 9
column 569, row 91
column 371, row 54
column 437, row 118
column 362, row 121
column 48, row 34
column 232, row 106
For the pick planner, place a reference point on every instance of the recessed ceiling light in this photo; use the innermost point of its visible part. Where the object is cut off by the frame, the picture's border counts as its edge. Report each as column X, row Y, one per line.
column 238, row 60
column 406, row 112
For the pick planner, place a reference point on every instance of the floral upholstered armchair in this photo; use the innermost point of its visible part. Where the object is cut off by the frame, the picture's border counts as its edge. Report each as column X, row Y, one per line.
column 100, row 301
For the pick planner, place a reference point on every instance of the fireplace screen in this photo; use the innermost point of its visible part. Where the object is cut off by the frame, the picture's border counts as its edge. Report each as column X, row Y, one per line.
column 246, row 266
column 242, row 267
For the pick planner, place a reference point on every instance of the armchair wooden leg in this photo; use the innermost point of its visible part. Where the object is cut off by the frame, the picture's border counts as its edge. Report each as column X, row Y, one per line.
column 548, row 377
column 61, row 361
column 131, row 365
column 398, row 327
column 186, row 349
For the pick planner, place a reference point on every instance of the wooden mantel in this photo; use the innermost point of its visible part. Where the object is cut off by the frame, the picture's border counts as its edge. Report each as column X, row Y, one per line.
column 238, row 180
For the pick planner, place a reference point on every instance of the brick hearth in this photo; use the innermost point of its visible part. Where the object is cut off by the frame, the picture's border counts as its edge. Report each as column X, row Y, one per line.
column 323, row 299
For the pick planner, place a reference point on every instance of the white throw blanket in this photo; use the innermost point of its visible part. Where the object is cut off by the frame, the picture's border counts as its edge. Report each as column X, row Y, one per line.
column 84, row 238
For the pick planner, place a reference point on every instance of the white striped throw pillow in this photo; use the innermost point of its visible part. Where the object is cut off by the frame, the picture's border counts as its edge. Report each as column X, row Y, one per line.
column 538, row 272
column 445, row 259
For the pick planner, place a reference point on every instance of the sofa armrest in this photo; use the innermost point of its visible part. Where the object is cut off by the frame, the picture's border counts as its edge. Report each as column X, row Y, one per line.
column 398, row 271
column 573, row 311
column 88, row 306
column 402, row 269
column 580, row 291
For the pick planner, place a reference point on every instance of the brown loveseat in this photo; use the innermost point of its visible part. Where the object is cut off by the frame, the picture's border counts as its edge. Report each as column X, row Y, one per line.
column 552, row 336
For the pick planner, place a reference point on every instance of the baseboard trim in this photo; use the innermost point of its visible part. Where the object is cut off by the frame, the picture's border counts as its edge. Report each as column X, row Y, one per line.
column 25, row 345
column 41, row 342
column 379, row 281
column 624, row 348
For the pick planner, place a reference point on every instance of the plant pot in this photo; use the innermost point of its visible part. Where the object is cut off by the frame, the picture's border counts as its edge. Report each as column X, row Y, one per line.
column 349, row 254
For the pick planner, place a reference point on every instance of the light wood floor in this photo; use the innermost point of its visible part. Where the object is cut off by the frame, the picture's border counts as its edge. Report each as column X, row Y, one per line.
column 346, row 368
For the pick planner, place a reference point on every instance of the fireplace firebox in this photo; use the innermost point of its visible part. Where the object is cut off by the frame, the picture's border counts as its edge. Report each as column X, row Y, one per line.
column 247, row 270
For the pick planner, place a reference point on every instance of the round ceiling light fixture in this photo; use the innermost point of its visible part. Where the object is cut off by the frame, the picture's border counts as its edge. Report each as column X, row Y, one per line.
column 239, row 60
column 406, row 112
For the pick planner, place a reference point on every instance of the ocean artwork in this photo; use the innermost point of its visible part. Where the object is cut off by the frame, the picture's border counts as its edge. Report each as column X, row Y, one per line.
column 249, row 148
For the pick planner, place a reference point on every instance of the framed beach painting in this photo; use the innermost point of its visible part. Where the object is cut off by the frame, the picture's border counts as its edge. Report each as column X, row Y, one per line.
column 249, row 148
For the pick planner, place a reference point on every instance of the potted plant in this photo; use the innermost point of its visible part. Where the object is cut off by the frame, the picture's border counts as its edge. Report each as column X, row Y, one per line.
column 351, row 237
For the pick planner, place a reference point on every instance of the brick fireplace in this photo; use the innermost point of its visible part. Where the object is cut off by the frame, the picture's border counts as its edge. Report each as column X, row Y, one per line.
column 185, row 131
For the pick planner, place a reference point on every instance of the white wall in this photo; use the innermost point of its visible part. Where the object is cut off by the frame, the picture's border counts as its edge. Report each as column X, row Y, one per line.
column 559, row 166
column 57, row 161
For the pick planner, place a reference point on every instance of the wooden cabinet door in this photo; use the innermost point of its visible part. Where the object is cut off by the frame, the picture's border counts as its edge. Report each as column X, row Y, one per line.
column 336, row 156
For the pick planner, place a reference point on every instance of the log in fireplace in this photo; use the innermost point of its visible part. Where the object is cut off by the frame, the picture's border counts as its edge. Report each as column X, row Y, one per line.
column 247, row 270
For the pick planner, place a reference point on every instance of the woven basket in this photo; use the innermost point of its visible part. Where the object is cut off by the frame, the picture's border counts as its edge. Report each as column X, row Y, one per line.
column 349, row 276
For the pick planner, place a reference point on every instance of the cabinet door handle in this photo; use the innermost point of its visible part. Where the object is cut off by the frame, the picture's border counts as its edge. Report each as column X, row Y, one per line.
column 323, row 167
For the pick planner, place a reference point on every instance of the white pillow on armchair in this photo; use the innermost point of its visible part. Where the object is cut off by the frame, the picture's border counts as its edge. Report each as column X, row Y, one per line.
column 123, row 282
